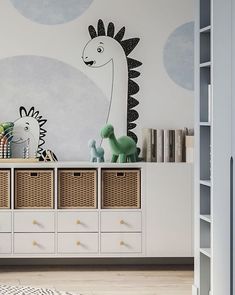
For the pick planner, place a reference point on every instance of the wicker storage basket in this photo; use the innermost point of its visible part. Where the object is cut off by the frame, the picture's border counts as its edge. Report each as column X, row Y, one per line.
column 34, row 189
column 121, row 188
column 77, row 188
column 5, row 191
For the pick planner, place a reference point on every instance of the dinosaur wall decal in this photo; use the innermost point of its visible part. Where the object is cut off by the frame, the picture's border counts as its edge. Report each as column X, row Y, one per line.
column 28, row 129
column 108, row 47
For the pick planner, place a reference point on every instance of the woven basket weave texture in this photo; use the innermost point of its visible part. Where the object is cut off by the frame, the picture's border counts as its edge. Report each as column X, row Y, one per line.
column 5, row 189
column 121, row 189
column 34, row 189
column 77, row 189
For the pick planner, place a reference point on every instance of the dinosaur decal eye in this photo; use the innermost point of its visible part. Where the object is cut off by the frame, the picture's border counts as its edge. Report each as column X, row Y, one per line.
column 26, row 128
column 100, row 49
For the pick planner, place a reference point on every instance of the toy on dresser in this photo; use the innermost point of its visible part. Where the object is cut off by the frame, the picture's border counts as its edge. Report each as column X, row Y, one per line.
column 5, row 139
column 123, row 148
column 96, row 153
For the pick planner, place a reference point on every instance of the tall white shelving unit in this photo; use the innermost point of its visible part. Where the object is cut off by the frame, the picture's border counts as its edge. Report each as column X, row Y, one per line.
column 213, row 146
column 203, row 133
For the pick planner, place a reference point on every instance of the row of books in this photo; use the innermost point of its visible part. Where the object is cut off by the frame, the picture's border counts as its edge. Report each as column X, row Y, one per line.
column 167, row 145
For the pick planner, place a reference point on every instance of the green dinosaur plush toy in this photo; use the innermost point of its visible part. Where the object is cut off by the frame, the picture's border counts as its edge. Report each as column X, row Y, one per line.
column 123, row 147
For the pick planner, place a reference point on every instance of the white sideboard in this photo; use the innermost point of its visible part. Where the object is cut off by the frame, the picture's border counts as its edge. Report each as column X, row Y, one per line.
column 161, row 227
column 169, row 210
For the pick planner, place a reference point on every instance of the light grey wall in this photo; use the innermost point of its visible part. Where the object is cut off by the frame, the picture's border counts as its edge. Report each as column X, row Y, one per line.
column 165, row 102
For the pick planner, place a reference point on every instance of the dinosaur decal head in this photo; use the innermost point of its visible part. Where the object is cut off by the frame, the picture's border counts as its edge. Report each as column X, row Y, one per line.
column 99, row 51
column 107, row 131
column 24, row 129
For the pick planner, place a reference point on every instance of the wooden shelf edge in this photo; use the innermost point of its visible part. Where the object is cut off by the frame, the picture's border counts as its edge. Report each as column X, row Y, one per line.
column 19, row 160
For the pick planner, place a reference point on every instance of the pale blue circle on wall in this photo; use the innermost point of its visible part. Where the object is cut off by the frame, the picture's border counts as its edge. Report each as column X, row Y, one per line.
column 75, row 108
column 51, row 12
column 178, row 56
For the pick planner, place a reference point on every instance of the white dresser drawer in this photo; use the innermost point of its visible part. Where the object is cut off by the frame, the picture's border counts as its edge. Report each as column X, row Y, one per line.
column 5, row 222
column 78, row 243
column 5, row 243
column 78, row 221
column 121, row 243
column 120, row 221
column 27, row 243
column 34, row 222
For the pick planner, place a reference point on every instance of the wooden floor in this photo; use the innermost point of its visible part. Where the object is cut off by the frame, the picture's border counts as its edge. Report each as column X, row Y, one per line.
column 104, row 280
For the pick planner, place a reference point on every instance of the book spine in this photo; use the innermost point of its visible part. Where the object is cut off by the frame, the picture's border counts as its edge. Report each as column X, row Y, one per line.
column 147, row 144
column 172, row 145
column 154, row 145
column 185, row 133
column 160, row 139
column 166, row 146
column 189, row 149
column 178, row 145
column 144, row 143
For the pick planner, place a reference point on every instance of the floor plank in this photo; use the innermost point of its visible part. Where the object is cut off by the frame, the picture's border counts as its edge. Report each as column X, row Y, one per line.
column 104, row 280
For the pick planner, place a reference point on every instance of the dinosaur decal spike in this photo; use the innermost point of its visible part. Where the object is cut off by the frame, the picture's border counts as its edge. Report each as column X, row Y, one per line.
column 111, row 48
column 111, row 29
column 92, row 32
column 133, row 74
column 132, row 63
column 132, row 102
column 120, row 34
column 101, row 28
column 129, row 45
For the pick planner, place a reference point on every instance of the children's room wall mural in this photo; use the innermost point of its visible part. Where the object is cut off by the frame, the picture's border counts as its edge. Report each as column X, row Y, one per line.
column 51, row 12
column 178, row 56
column 74, row 106
column 28, row 134
column 103, row 48
column 84, row 63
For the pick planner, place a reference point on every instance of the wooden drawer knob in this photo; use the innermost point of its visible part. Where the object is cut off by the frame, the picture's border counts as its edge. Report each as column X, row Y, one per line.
column 122, row 243
column 122, row 221
column 34, row 243
column 78, row 221
column 35, row 222
column 78, row 243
